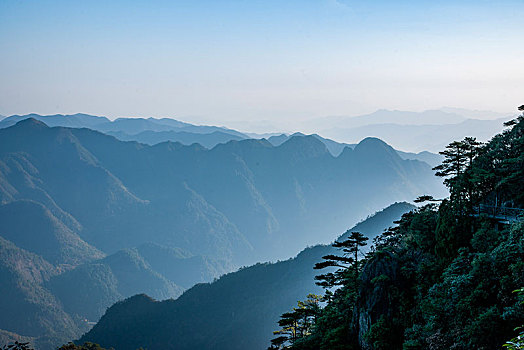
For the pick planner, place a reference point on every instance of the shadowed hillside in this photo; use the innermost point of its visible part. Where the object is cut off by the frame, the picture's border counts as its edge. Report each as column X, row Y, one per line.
column 242, row 201
column 116, row 218
column 238, row 311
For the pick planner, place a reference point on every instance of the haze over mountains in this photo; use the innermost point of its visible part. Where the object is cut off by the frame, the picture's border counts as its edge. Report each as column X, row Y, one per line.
column 293, row 180
column 429, row 130
column 410, row 132
column 223, row 315
column 179, row 175
column 152, row 131
column 87, row 219
column 84, row 204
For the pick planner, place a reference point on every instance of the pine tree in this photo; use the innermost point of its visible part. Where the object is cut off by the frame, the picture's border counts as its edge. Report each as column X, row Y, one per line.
column 298, row 323
column 348, row 263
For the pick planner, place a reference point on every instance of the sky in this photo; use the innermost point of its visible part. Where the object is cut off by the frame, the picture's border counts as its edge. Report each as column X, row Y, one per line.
column 258, row 62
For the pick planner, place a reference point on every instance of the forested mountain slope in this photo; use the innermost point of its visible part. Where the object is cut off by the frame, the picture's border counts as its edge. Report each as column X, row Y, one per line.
column 238, row 311
column 241, row 201
column 101, row 212
column 446, row 277
column 31, row 226
column 442, row 279
column 27, row 307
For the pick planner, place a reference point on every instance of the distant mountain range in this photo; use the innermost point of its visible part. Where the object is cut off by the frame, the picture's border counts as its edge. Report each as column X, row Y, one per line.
column 412, row 131
column 419, row 135
column 186, row 138
column 238, row 311
column 84, row 215
column 242, row 197
column 336, row 148
column 152, row 131
column 129, row 126
column 418, row 138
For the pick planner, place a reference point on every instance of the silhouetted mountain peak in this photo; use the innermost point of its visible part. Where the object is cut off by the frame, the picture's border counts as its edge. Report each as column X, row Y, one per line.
column 243, row 145
column 372, row 141
column 298, row 134
column 372, row 146
column 30, row 123
column 253, row 143
column 308, row 145
column 174, row 146
column 137, row 302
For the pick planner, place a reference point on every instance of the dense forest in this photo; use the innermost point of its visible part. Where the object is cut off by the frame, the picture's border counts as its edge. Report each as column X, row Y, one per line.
column 446, row 277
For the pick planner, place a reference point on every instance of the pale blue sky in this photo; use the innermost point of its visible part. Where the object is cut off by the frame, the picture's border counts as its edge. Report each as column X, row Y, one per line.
column 219, row 61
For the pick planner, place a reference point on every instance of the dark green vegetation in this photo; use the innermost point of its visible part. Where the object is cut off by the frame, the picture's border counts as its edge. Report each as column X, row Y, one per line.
column 87, row 220
column 85, row 346
column 238, row 311
column 443, row 278
column 16, row 345
column 517, row 343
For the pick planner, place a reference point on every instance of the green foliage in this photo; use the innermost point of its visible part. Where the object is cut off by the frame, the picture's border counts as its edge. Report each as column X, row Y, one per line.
column 517, row 343
column 238, row 311
column 17, row 346
column 298, row 323
column 85, row 346
column 348, row 263
column 380, row 334
column 335, row 316
column 443, row 278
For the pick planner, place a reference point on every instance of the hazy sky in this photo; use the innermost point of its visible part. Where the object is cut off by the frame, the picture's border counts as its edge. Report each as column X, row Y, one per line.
column 219, row 61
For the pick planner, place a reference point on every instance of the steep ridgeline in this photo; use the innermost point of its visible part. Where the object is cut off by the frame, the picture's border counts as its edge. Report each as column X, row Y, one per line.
column 336, row 148
column 31, row 226
column 152, row 131
column 150, row 137
column 149, row 131
column 53, row 166
column 27, row 307
column 159, row 271
column 240, row 202
column 103, row 282
column 51, row 304
column 96, row 212
column 238, row 311
column 127, row 126
column 446, row 276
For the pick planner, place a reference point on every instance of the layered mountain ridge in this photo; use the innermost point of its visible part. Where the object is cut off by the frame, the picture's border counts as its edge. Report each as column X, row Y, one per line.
column 238, row 311
column 96, row 212
column 153, row 131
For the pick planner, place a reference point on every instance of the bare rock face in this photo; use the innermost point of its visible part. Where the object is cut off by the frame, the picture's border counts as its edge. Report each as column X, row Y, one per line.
column 379, row 281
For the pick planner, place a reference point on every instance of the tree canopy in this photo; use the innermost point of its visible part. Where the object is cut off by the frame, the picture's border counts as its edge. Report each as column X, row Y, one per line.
column 443, row 277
